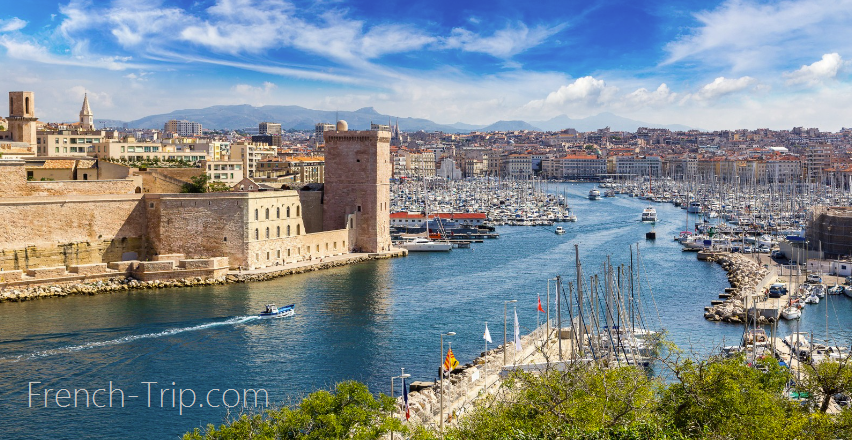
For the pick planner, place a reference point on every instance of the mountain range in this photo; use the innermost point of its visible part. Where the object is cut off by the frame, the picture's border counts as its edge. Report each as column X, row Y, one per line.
column 221, row 117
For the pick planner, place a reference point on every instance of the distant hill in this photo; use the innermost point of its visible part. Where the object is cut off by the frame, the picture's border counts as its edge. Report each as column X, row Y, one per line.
column 602, row 120
column 509, row 126
column 231, row 117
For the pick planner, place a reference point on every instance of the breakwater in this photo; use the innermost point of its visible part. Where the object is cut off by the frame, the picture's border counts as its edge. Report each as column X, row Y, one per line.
column 122, row 283
column 744, row 275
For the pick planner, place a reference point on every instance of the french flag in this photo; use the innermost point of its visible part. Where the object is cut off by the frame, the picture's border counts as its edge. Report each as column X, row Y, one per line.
column 405, row 398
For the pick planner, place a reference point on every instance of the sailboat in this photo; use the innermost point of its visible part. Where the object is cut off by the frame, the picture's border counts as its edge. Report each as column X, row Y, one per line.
column 424, row 244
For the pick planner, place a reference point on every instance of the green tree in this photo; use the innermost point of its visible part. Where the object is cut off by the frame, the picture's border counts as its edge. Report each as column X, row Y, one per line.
column 349, row 411
column 730, row 399
column 217, row 186
column 197, row 184
column 825, row 379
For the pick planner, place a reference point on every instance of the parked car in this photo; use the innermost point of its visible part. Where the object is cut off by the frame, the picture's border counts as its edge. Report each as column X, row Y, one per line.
column 814, row 278
column 777, row 290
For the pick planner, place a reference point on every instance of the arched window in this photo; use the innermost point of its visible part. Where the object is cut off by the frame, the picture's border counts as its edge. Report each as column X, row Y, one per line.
column 267, row 213
column 278, row 231
column 288, row 212
column 288, row 230
column 256, row 217
column 298, row 229
column 27, row 105
column 256, row 234
column 267, row 232
column 298, row 209
column 277, row 212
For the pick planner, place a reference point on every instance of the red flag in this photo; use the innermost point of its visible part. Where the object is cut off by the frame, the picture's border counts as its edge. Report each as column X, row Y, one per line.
column 540, row 309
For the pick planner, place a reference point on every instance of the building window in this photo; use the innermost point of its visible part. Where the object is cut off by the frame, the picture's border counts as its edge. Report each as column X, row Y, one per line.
column 298, row 229
column 267, row 256
column 267, row 232
column 256, row 234
column 278, row 231
column 298, row 211
column 288, row 230
column 267, row 213
column 277, row 212
column 288, row 208
column 256, row 215
column 278, row 253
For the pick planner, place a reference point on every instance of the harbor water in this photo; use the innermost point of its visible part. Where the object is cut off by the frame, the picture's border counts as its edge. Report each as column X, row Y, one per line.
column 361, row 322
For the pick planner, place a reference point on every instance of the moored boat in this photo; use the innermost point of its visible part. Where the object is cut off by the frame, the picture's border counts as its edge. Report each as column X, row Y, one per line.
column 425, row 245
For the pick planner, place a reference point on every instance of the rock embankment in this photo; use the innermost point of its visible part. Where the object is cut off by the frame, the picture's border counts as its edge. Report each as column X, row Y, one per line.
column 121, row 283
column 744, row 275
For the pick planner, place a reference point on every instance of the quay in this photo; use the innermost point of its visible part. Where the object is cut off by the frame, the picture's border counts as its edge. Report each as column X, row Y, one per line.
column 114, row 281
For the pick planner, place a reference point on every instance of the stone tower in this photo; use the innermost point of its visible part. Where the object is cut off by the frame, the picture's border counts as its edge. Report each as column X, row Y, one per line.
column 87, row 120
column 22, row 120
column 357, row 186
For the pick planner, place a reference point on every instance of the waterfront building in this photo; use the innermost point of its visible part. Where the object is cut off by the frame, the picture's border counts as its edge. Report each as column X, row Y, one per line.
column 182, row 127
column 574, row 166
column 519, row 166
column 229, row 172
column 319, row 130
column 269, row 128
column 130, row 150
column 250, row 154
column 449, row 170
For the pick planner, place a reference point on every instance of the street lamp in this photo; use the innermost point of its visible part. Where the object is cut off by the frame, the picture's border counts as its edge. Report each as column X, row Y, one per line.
column 402, row 375
column 442, row 377
column 505, row 313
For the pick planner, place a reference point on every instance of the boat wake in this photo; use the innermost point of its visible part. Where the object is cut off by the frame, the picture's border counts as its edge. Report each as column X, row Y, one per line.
column 131, row 338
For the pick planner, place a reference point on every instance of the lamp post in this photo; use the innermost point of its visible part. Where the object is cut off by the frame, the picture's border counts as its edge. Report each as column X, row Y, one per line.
column 402, row 375
column 442, row 378
column 505, row 315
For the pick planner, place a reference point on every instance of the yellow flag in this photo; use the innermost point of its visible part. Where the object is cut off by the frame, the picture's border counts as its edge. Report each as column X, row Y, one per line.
column 450, row 363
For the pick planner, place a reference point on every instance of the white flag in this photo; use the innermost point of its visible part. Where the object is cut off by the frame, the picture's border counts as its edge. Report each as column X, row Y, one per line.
column 517, row 333
column 487, row 335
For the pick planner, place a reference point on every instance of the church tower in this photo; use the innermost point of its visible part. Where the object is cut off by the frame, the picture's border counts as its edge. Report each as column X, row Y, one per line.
column 22, row 120
column 87, row 120
column 356, row 192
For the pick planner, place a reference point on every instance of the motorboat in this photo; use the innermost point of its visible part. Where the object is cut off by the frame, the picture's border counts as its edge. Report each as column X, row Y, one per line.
column 791, row 312
column 275, row 312
column 594, row 194
column 422, row 244
column 571, row 218
column 812, row 299
column 694, row 208
column 649, row 214
column 559, row 230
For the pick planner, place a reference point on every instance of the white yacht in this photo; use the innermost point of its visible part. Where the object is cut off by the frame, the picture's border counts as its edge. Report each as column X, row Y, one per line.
column 594, row 194
column 649, row 214
column 422, row 244
column 694, row 208
column 560, row 230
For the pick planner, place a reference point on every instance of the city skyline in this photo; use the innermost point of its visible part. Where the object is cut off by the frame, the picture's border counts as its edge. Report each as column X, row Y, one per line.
column 730, row 64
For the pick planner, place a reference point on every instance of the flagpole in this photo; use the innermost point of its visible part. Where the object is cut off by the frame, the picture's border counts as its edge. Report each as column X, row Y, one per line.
column 485, row 382
column 441, row 379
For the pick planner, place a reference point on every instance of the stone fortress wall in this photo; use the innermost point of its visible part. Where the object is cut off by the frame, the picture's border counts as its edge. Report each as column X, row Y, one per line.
column 48, row 227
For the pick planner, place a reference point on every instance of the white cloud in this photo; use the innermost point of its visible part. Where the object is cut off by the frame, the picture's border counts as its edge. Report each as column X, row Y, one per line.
column 748, row 34
column 722, row 86
column 12, row 24
column 503, row 43
column 824, row 69
column 96, row 99
column 24, row 50
column 644, row 98
column 586, row 90
column 264, row 89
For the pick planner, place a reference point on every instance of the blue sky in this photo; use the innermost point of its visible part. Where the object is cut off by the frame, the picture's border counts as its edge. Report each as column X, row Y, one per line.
column 728, row 64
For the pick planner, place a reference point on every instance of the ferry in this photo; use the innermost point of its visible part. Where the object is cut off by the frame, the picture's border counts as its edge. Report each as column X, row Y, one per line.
column 649, row 214
column 274, row 312
column 594, row 194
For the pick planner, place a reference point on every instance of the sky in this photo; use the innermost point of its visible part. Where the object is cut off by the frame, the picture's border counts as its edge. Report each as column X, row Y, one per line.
column 709, row 64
